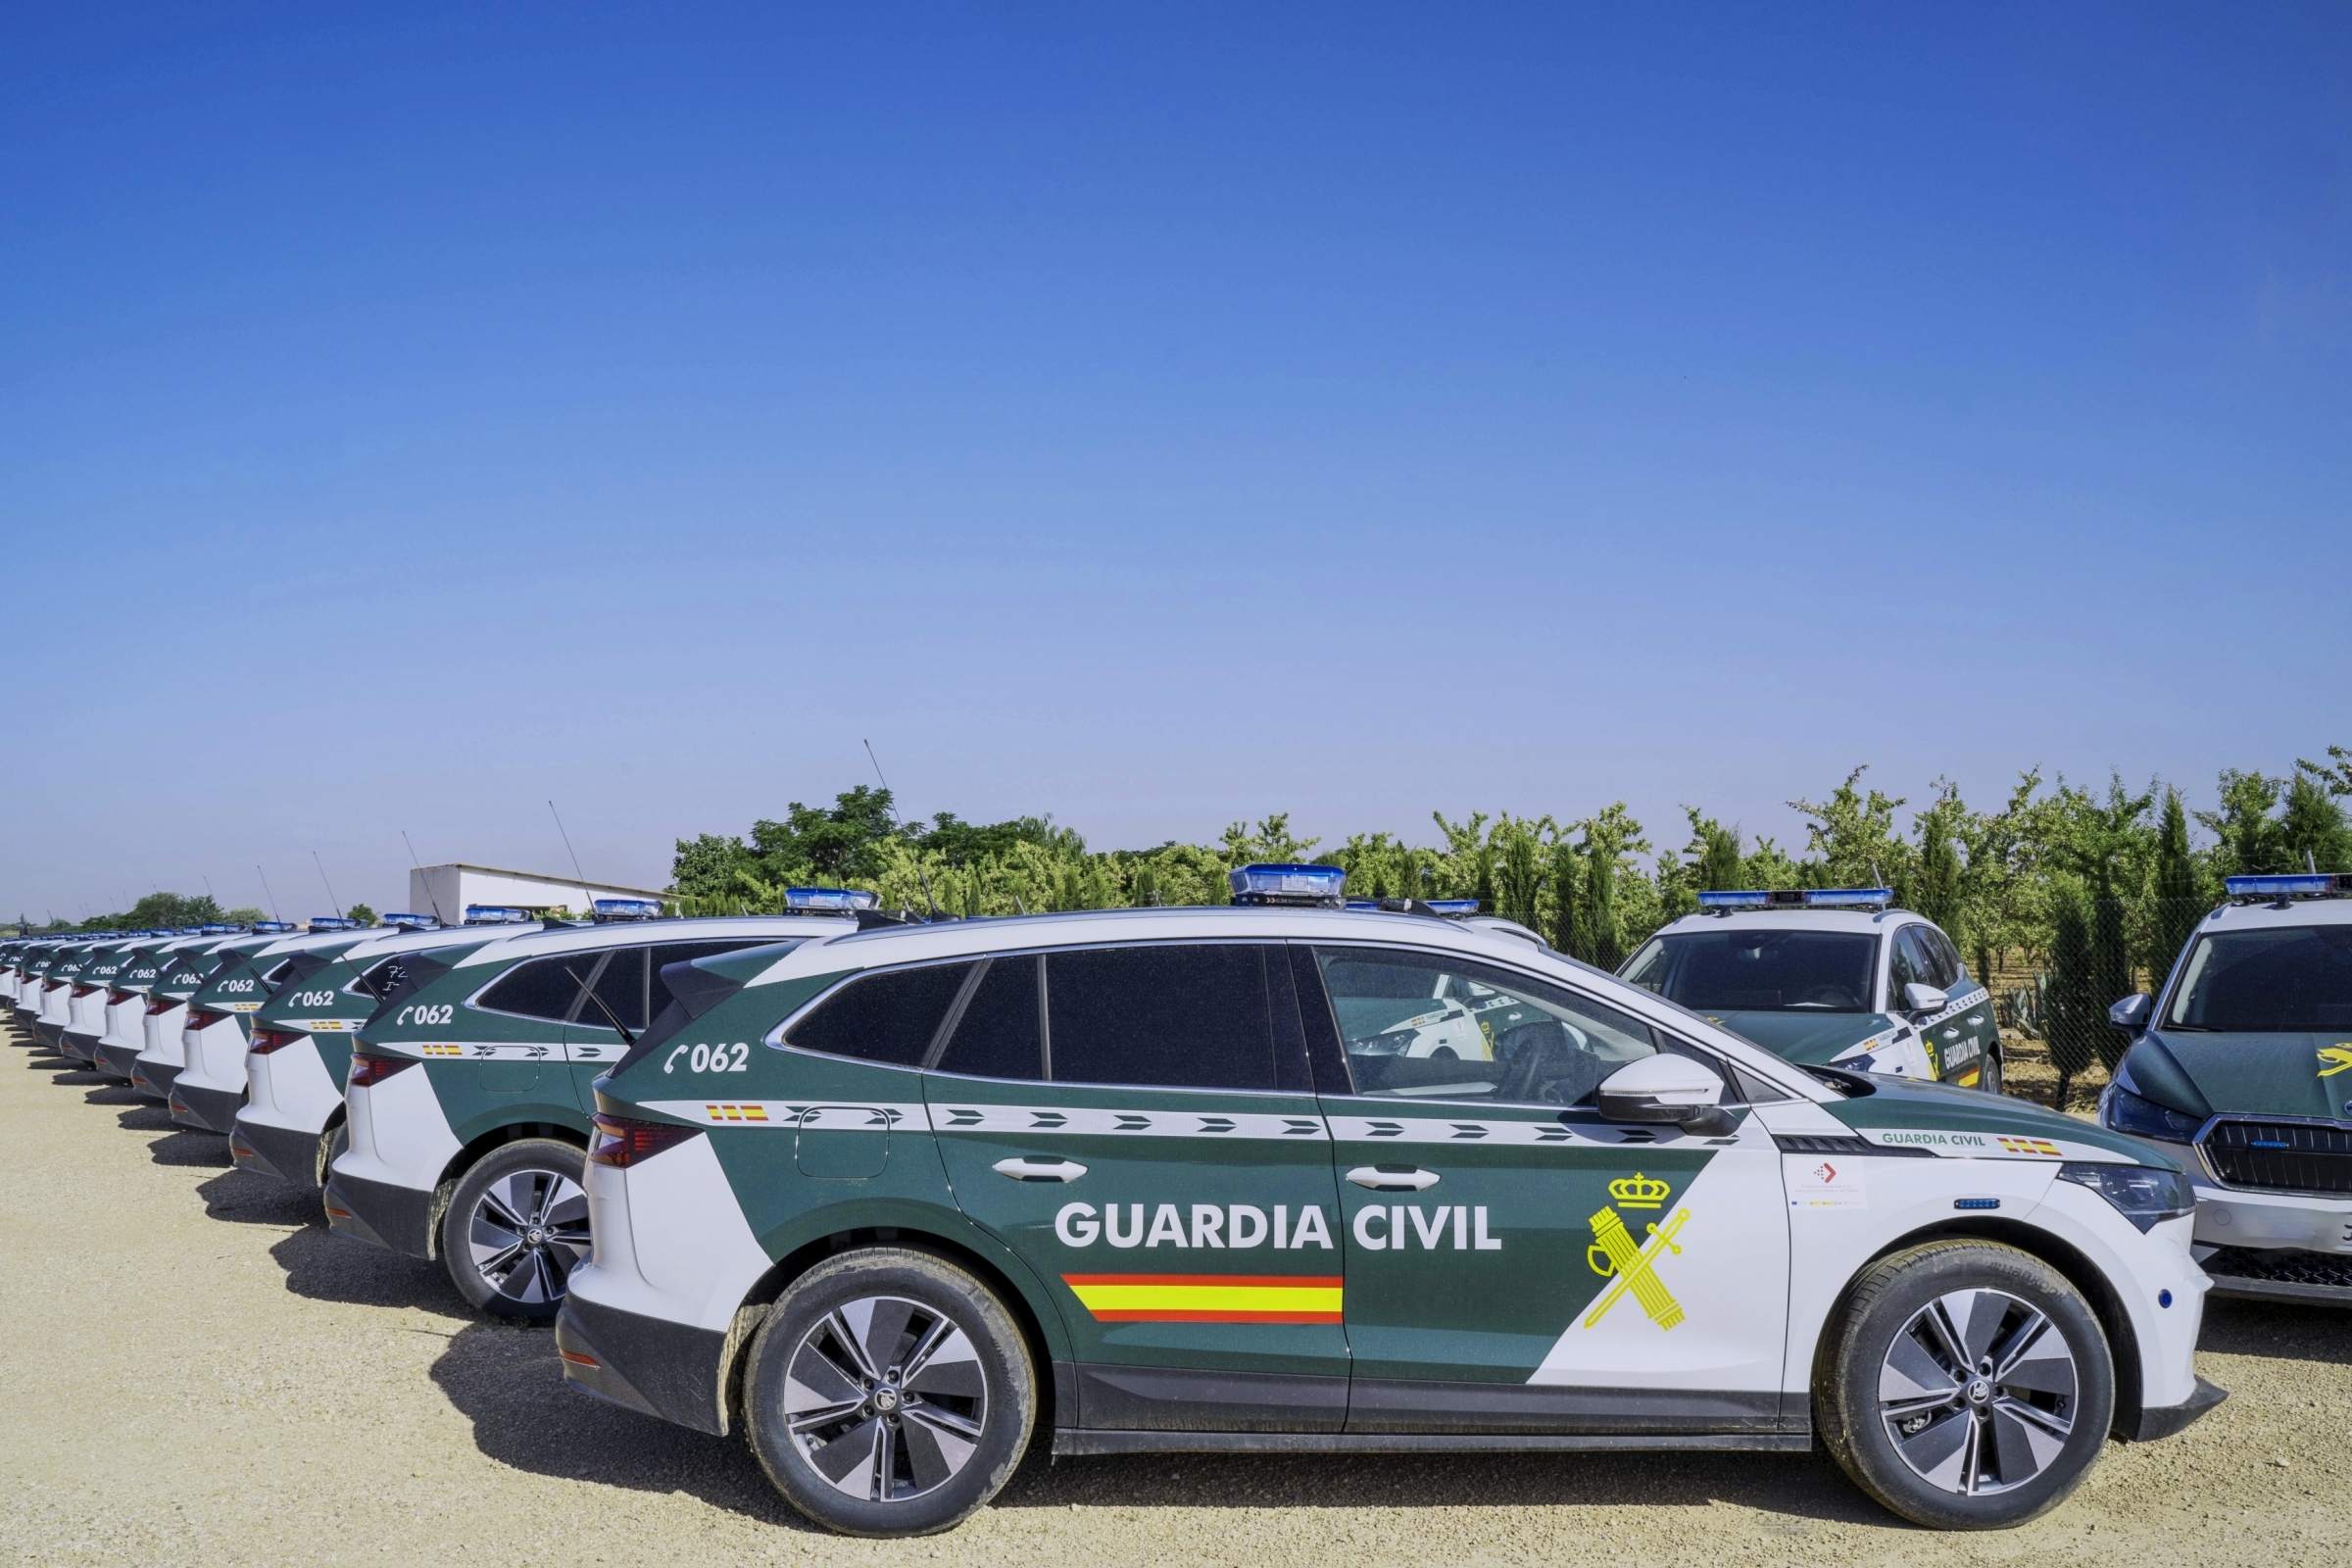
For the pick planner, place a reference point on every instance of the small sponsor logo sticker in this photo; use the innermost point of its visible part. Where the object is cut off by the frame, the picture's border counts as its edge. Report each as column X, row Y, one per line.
column 1833, row 1183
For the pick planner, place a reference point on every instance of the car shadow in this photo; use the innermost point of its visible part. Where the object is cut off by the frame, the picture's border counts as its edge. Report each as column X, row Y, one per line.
column 326, row 1267
column 244, row 1198
column 2284, row 1331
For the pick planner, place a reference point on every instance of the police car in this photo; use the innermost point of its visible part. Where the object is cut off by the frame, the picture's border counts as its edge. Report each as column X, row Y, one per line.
column 92, row 991
column 53, row 1010
column 896, row 1204
column 1828, row 977
column 129, row 976
column 211, row 1084
column 164, row 1025
column 292, row 1121
column 2241, row 1069
column 475, row 1159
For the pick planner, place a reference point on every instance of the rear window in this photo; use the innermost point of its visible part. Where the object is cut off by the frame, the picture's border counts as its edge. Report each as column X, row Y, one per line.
column 890, row 1017
column 540, row 987
column 2282, row 980
column 999, row 1035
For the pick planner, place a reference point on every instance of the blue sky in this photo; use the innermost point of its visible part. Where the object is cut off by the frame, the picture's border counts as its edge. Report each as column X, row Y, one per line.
column 1148, row 417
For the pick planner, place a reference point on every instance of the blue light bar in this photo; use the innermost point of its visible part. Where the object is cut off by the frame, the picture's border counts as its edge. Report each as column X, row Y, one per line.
column 1324, row 886
column 1849, row 897
column 414, row 923
column 333, row 923
column 1370, row 905
column 1454, row 906
column 271, row 926
column 627, row 910
column 494, row 914
column 829, row 901
column 1733, row 901
column 218, row 930
column 2299, row 885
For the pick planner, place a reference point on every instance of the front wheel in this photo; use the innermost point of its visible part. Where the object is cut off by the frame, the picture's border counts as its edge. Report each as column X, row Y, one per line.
column 1969, row 1387
column 516, row 1227
column 1988, row 1077
column 889, row 1394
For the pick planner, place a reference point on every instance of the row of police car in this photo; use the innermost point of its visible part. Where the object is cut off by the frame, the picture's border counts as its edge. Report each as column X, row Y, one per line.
column 898, row 1200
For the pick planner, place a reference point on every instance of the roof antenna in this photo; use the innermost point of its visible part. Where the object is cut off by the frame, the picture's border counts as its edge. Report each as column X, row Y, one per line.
column 330, row 886
column 575, row 859
column 893, row 811
column 429, row 882
column 265, row 893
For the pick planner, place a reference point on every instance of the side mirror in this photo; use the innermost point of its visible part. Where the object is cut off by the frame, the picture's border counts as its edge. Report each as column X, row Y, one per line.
column 2132, row 1014
column 1667, row 1089
column 1924, row 998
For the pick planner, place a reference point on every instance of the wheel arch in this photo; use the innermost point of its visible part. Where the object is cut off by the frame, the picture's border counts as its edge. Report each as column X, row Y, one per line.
column 2123, row 1339
column 467, row 1157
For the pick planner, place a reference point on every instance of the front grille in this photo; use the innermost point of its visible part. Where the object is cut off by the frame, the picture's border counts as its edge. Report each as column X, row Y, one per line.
column 2332, row 1269
column 2281, row 1156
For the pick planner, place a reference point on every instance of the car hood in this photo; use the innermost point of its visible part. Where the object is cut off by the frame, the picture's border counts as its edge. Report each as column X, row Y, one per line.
column 1965, row 1123
column 2261, row 1074
column 1809, row 1039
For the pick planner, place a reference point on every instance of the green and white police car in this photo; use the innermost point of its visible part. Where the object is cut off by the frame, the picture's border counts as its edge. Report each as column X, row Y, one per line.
column 475, row 1159
column 164, row 1025
column 2241, row 1069
column 213, row 1042
column 1830, row 977
column 133, row 972
column 291, row 1124
column 86, row 998
column 56, row 1008
column 893, row 1203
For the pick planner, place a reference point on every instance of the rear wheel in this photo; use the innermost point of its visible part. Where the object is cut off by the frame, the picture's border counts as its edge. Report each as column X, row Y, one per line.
column 515, row 1228
column 332, row 1144
column 1988, row 1078
column 889, row 1394
column 1970, row 1386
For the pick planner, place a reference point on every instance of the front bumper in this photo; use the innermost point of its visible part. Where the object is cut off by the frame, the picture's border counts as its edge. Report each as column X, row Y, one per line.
column 2163, row 1421
column 2276, row 1274
column 400, row 1219
column 647, row 1364
column 2267, row 1221
column 289, row 1155
column 207, row 1110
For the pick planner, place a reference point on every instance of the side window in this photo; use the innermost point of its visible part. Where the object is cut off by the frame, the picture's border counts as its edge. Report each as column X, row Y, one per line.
column 1419, row 1025
column 669, row 952
column 889, row 1017
column 1914, row 960
column 539, row 989
column 1177, row 1016
column 999, row 1035
column 621, row 988
column 1948, row 967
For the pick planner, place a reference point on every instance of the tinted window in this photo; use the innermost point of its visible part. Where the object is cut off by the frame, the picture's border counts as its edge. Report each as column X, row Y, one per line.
column 1417, row 1025
column 889, row 1017
column 1947, row 957
column 621, row 988
column 1175, row 1016
column 669, row 952
column 540, row 989
column 2286, row 980
column 998, row 1036
column 378, row 980
column 1905, row 964
column 1758, row 970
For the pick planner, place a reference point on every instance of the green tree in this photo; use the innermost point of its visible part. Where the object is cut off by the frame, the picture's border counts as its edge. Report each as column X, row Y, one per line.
column 1852, row 837
column 2072, row 1015
column 1610, row 838
column 362, row 914
column 2250, row 840
column 1716, row 865
column 1568, row 933
column 2311, row 830
column 2179, row 895
column 1938, row 879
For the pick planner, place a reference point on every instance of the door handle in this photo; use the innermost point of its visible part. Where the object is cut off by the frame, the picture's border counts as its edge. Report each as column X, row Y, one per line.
column 1392, row 1178
column 1039, row 1168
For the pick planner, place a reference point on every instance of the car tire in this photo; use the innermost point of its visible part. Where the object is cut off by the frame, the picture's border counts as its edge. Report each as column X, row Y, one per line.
column 1968, row 1386
column 889, row 1393
column 516, row 1227
column 1988, row 1077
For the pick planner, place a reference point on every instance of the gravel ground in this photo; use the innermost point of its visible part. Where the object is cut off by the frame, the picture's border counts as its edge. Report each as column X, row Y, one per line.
column 199, row 1373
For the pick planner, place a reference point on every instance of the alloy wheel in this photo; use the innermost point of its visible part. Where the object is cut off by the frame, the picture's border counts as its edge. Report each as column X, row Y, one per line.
column 885, row 1398
column 527, row 1232
column 1977, row 1393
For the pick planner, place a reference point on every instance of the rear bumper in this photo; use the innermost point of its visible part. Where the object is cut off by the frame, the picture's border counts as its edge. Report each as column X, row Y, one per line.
column 400, row 1219
column 647, row 1364
column 208, row 1110
column 280, row 1152
column 2163, row 1421
column 118, row 1060
column 154, row 1078
column 80, row 1044
column 47, row 1033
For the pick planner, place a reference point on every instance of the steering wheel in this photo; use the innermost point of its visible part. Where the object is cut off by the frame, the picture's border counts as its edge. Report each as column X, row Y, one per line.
column 1546, row 1050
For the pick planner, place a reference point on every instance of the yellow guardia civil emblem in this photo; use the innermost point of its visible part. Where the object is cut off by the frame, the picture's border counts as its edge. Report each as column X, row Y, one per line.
column 1613, row 1251
column 2340, row 1055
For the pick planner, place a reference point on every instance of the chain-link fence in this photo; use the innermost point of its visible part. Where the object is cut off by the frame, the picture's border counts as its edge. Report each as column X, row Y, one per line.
column 2099, row 952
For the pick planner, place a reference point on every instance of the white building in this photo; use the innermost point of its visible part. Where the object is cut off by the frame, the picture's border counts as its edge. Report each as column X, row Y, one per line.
column 446, row 891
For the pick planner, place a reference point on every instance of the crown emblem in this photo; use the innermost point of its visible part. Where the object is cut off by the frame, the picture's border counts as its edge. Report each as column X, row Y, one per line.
column 1640, row 1192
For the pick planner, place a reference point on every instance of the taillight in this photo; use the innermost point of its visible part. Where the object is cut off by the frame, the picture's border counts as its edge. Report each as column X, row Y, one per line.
column 117, row 996
column 80, row 991
column 366, row 1070
column 622, row 1140
column 156, row 1004
column 200, row 1019
column 265, row 1040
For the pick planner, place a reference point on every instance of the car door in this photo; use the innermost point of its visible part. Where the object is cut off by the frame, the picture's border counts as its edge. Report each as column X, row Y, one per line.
column 1137, row 1123
column 1965, row 1031
column 1515, row 1263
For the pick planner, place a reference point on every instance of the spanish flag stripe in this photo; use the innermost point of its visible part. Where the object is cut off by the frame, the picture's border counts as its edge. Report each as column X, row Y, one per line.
column 1207, row 1297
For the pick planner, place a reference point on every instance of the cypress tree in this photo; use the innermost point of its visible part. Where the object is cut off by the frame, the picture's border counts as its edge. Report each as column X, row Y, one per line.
column 2179, row 891
column 2067, row 1009
column 1600, row 905
column 1568, row 895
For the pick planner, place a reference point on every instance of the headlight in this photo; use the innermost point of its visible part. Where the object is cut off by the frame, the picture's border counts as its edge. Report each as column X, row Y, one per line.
column 2122, row 1112
column 2140, row 1193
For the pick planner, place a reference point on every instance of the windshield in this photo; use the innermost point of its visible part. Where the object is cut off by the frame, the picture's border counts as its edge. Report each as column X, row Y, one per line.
column 2283, row 980
column 1753, row 970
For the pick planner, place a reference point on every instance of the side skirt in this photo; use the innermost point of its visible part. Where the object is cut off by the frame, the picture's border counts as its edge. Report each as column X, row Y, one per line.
column 1073, row 1443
